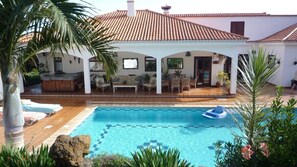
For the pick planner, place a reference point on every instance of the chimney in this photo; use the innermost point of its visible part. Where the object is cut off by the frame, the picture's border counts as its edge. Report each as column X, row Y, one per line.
column 131, row 10
column 166, row 9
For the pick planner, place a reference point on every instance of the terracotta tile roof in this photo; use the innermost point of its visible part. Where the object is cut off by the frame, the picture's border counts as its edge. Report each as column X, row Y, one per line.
column 226, row 15
column 288, row 34
column 26, row 38
column 220, row 15
column 151, row 26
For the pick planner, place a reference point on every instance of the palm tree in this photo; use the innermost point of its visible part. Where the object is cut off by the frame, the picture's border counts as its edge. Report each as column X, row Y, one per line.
column 256, row 72
column 31, row 26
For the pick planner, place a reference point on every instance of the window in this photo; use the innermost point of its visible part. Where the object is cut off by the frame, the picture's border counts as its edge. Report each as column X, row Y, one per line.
column 96, row 66
column 272, row 60
column 58, row 64
column 241, row 58
column 150, row 64
column 227, row 66
column 175, row 63
column 130, row 63
column 237, row 27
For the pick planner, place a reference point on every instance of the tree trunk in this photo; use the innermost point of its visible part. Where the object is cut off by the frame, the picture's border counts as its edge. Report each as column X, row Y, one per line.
column 13, row 119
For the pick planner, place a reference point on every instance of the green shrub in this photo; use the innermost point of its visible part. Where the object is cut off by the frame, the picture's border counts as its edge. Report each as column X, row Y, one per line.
column 20, row 157
column 105, row 160
column 32, row 77
column 280, row 134
column 229, row 154
column 281, row 130
column 158, row 158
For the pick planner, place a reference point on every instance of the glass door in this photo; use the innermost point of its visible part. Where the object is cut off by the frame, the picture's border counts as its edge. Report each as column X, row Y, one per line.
column 203, row 71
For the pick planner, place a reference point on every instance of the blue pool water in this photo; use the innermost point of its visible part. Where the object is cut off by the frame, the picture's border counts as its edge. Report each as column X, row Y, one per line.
column 124, row 130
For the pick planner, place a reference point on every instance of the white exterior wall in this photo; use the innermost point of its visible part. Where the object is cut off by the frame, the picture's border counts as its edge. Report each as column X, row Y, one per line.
column 188, row 63
column 255, row 27
column 74, row 67
column 278, row 50
column 141, row 66
column 287, row 55
column 67, row 67
column 289, row 67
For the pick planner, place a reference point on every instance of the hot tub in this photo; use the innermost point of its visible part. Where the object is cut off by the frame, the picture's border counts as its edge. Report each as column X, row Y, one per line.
column 61, row 82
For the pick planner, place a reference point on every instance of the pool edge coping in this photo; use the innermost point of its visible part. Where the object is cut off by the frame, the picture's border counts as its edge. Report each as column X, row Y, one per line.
column 70, row 125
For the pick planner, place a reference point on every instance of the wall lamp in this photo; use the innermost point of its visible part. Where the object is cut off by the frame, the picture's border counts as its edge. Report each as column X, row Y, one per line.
column 188, row 54
column 215, row 58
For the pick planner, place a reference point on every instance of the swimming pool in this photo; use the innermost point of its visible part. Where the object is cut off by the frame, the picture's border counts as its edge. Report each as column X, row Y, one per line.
column 124, row 130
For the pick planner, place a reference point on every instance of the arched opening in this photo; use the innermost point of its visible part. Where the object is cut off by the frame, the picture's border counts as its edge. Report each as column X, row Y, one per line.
column 200, row 65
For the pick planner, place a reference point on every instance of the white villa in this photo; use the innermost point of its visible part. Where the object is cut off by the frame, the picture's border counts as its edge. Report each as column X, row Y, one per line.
column 149, row 43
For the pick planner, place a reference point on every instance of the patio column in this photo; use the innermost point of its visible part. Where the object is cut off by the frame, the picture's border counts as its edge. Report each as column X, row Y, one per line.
column 87, row 81
column 233, row 78
column 159, row 76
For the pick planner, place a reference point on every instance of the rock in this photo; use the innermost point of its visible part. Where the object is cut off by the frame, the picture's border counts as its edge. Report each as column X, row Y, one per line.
column 70, row 151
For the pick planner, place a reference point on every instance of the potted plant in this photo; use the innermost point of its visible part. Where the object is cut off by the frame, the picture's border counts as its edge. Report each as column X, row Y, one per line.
column 165, row 75
column 220, row 77
column 177, row 73
column 228, row 83
column 147, row 78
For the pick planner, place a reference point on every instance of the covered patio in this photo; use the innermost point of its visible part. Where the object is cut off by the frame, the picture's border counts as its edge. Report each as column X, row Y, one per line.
column 204, row 92
column 195, row 45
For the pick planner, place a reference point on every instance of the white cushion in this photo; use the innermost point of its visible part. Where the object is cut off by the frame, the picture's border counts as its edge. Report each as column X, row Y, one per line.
column 26, row 101
column 99, row 80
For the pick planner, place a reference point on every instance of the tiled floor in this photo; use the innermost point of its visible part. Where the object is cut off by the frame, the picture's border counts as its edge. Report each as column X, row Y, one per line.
column 75, row 104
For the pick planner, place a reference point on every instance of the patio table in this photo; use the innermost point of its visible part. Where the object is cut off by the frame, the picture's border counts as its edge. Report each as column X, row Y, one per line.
column 124, row 86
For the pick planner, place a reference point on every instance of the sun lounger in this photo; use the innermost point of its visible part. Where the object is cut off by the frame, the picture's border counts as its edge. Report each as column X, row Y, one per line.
column 29, row 117
column 33, row 117
column 31, row 106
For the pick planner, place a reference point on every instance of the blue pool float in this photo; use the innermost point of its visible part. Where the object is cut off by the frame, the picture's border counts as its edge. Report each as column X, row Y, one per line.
column 215, row 113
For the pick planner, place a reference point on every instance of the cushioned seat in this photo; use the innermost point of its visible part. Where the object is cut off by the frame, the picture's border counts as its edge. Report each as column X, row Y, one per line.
column 31, row 106
column 193, row 82
column 29, row 117
column 100, row 84
column 185, row 83
column 150, row 85
column 175, row 83
column 33, row 117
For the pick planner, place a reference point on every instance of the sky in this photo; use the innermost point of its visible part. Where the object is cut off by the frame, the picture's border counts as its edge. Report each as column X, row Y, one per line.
column 201, row 6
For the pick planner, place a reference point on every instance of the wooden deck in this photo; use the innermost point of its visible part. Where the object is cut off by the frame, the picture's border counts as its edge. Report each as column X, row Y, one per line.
column 38, row 132
column 204, row 92
column 74, row 103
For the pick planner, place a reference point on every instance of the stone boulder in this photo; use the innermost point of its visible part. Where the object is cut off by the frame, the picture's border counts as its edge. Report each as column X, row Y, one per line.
column 70, row 151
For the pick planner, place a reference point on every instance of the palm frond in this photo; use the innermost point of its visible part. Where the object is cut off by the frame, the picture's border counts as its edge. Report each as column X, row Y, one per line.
column 256, row 72
column 97, row 40
column 55, row 24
